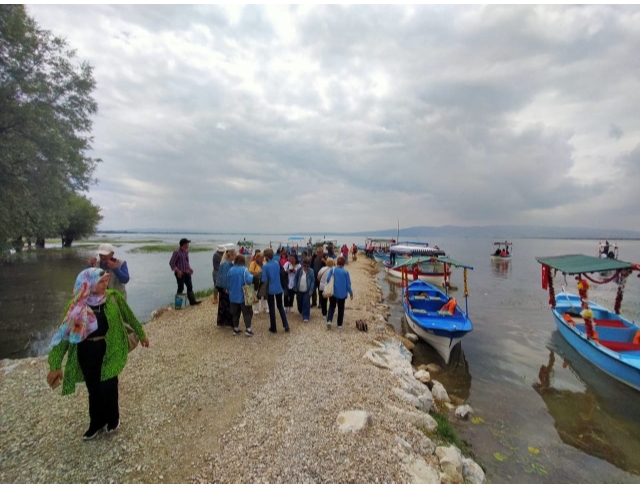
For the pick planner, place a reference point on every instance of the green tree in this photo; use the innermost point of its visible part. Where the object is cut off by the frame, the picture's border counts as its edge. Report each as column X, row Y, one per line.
column 45, row 122
column 82, row 219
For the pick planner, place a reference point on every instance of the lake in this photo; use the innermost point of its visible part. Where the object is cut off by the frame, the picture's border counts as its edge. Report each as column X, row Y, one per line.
column 527, row 385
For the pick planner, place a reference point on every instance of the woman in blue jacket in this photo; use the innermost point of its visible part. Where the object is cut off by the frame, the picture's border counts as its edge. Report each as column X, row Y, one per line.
column 271, row 273
column 224, row 305
column 305, row 281
column 237, row 277
column 341, row 287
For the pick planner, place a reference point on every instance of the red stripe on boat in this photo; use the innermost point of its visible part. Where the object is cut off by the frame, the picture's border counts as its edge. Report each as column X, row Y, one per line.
column 620, row 346
column 610, row 323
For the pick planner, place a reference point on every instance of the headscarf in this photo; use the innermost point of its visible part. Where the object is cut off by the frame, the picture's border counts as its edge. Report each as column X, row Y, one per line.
column 80, row 321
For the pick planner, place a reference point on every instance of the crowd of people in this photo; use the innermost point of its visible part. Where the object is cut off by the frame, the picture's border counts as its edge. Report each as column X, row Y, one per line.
column 99, row 327
column 292, row 278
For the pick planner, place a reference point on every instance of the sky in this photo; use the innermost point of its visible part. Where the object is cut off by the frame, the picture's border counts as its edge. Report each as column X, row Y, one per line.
column 347, row 118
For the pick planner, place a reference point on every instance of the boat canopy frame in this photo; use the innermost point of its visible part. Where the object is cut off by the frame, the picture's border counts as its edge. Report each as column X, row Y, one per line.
column 572, row 264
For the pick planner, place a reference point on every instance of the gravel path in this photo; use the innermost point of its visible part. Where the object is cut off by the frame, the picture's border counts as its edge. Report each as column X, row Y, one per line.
column 204, row 406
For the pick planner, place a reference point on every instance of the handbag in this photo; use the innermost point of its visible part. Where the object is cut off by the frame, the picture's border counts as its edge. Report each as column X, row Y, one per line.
column 250, row 296
column 328, row 288
column 132, row 336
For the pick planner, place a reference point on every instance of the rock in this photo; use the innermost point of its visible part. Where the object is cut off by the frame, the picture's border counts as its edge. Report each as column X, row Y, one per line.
column 472, row 472
column 405, row 396
column 422, row 367
column 413, row 386
column 423, row 376
column 464, row 411
column 421, row 473
column 352, row 421
column 417, row 418
column 403, row 443
column 434, row 368
column 393, row 355
column 407, row 343
column 458, row 401
column 413, row 337
column 439, row 392
column 449, row 406
column 426, row 401
column 426, row 447
column 450, row 464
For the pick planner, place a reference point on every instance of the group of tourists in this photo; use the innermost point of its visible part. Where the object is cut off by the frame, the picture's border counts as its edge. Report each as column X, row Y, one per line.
column 291, row 278
column 99, row 328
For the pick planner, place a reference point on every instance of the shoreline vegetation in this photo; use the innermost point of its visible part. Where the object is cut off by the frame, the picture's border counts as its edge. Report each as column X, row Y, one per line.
column 201, row 405
column 148, row 249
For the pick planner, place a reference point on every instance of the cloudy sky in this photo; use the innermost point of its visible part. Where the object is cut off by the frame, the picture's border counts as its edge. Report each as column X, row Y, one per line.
column 304, row 119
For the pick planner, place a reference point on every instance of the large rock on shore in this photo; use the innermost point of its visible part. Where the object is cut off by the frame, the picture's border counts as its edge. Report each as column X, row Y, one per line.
column 472, row 472
column 422, row 473
column 419, row 419
column 439, row 392
column 450, row 464
column 353, row 421
column 423, row 376
column 392, row 355
column 412, row 336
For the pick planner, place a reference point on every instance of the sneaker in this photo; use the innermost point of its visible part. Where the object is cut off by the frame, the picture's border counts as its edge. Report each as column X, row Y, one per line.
column 340, row 327
column 328, row 325
column 91, row 433
column 256, row 312
column 249, row 332
column 305, row 321
column 236, row 331
column 286, row 330
column 111, row 427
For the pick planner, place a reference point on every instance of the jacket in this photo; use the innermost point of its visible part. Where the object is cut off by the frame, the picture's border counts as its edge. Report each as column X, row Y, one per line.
column 117, row 340
column 217, row 258
column 222, row 274
column 311, row 280
column 271, row 273
column 237, row 277
column 342, row 282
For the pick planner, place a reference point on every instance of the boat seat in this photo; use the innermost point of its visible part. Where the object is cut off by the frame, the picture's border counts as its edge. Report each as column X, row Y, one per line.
column 444, row 313
column 610, row 323
column 419, row 297
column 420, row 311
column 620, row 346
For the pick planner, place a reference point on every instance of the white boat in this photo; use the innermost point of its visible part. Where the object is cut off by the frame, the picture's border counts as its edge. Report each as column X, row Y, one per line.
column 502, row 252
column 412, row 249
column 431, row 272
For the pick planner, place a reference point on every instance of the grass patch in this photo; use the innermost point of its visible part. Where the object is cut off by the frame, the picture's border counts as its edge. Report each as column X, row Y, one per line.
column 204, row 293
column 446, row 433
column 148, row 249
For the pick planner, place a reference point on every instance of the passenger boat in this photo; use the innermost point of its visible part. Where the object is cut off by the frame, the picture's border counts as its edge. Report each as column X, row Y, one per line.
column 413, row 249
column 502, row 251
column 246, row 247
column 424, row 269
column 603, row 337
column 379, row 248
column 297, row 243
column 434, row 316
column 606, row 251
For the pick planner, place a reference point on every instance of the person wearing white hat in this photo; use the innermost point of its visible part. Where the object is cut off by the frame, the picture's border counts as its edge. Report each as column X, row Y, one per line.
column 117, row 269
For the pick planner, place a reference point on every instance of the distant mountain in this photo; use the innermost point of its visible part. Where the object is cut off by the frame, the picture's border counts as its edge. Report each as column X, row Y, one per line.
column 506, row 231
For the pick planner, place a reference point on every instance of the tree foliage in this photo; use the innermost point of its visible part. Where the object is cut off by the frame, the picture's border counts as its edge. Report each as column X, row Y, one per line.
column 45, row 122
column 82, row 219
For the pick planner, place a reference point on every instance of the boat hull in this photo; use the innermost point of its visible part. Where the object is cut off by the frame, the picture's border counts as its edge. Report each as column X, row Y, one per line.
column 441, row 344
column 436, row 278
column 498, row 258
column 606, row 360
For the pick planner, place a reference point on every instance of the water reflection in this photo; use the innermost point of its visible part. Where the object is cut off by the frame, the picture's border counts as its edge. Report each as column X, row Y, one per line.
column 501, row 268
column 601, row 420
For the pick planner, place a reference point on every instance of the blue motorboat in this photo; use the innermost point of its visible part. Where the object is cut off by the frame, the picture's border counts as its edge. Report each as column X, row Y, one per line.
column 603, row 337
column 434, row 316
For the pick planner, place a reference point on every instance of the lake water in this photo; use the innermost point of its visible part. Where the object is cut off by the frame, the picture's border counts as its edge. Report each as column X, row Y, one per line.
column 529, row 387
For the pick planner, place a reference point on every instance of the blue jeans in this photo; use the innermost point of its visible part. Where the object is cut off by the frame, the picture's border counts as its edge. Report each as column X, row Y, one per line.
column 304, row 304
column 272, row 301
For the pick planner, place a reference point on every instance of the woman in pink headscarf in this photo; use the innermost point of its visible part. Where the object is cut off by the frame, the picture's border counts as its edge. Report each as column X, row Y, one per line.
column 94, row 336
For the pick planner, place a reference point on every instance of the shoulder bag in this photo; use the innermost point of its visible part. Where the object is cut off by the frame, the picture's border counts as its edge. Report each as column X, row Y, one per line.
column 328, row 289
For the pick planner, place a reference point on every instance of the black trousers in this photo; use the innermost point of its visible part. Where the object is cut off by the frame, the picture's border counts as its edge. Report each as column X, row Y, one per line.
column 333, row 301
column 289, row 298
column 185, row 279
column 274, row 300
column 247, row 314
column 323, row 304
column 103, row 395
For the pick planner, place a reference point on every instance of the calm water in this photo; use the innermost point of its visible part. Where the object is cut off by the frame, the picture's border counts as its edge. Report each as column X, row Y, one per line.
column 526, row 383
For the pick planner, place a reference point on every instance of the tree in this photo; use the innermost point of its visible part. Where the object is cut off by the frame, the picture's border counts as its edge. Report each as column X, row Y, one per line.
column 45, row 110
column 82, row 219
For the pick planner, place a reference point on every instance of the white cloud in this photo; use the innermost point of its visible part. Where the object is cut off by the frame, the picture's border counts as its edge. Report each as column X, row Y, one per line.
column 330, row 118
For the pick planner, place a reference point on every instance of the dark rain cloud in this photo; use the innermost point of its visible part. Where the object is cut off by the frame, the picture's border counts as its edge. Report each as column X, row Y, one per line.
column 347, row 117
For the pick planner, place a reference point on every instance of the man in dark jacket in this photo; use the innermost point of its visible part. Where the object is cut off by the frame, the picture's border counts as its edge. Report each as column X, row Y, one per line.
column 217, row 257
column 317, row 263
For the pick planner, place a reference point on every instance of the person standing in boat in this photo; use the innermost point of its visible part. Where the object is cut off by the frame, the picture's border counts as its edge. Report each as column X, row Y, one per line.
column 271, row 274
column 341, row 288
